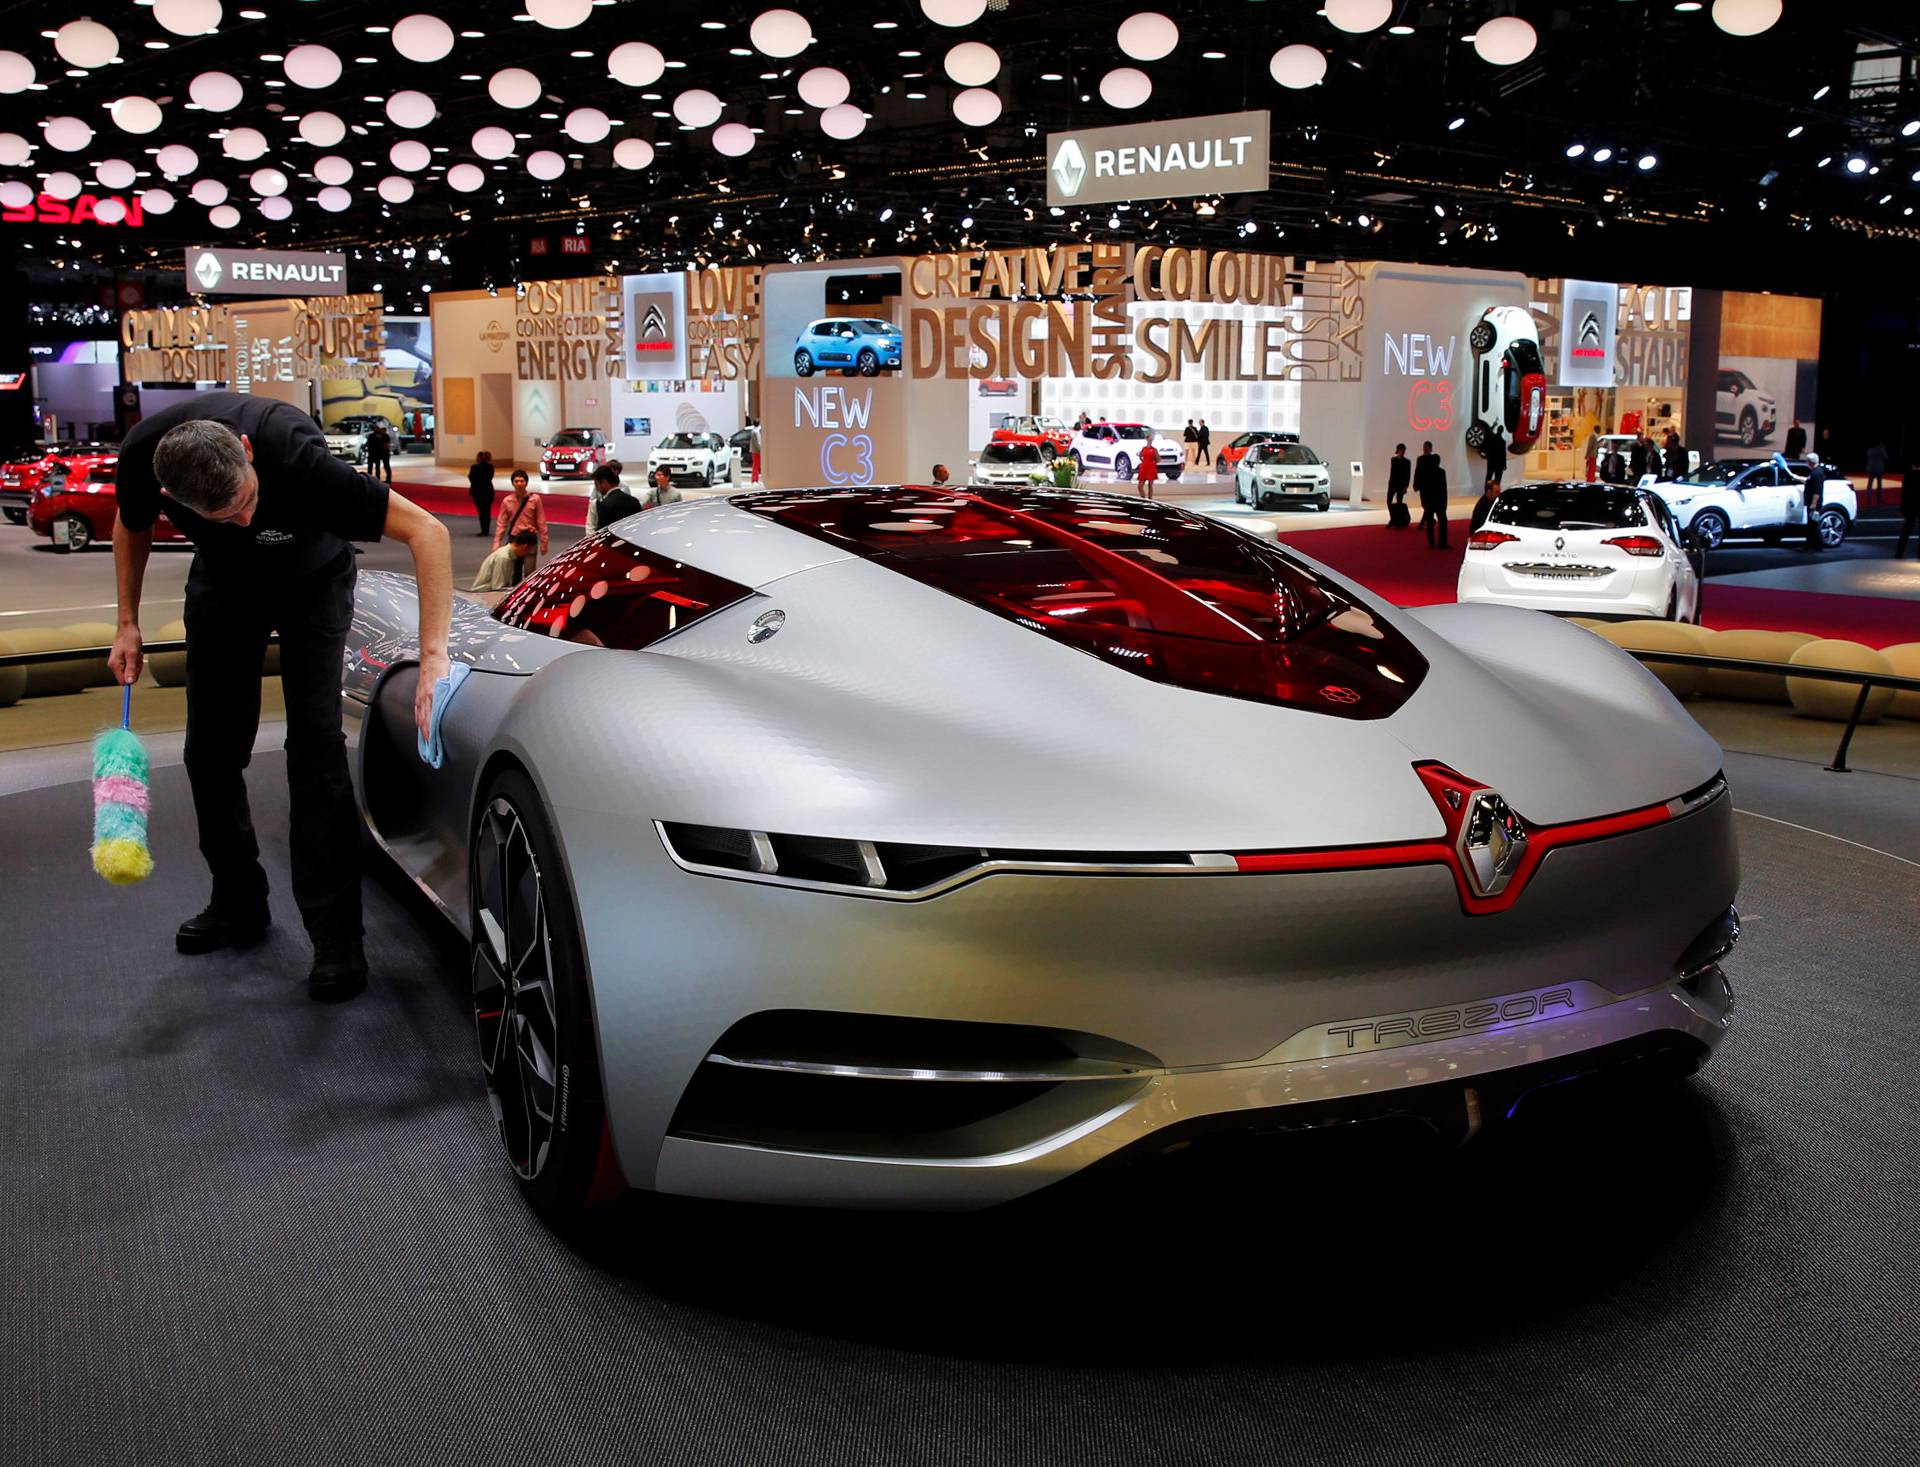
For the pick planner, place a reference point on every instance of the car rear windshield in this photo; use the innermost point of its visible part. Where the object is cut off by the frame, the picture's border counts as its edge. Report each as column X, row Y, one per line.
column 1284, row 453
column 608, row 592
column 1568, row 507
column 572, row 440
column 1010, row 453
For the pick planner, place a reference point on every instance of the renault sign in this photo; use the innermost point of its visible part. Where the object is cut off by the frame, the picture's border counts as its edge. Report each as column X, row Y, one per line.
column 213, row 271
column 1226, row 154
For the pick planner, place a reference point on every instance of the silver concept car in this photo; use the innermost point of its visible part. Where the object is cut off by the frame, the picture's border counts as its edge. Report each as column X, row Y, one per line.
column 921, row 847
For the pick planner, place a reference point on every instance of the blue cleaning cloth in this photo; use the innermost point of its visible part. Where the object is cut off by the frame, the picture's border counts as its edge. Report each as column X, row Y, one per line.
column 431, row 750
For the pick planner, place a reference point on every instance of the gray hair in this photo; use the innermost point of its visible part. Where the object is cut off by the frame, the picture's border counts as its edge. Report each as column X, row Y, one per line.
column 202, row 464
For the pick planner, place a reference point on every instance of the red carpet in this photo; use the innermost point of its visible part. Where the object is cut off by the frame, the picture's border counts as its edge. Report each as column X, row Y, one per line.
column 451, row 500
column 1397, row 564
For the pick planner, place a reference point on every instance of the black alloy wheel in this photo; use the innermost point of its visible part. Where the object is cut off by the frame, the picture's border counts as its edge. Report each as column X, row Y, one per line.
column 869, row 362
column 1749, row 429
column 1833, row 527
column 803, row 363
column 1123, row 467
column 1481, row 337
column 1476, row 435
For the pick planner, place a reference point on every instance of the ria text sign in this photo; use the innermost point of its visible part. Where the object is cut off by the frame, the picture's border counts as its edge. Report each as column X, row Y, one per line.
column 1225, row 154
column 265, row 272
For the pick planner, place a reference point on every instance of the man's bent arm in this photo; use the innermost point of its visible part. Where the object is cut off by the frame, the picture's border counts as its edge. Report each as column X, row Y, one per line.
column 130, row 550
column 427, row 539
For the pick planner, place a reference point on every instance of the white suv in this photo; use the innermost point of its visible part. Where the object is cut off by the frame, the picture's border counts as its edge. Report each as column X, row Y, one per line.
column 1115, row 448
column 1746, row 497
column 1742, row 412
column 698, row 458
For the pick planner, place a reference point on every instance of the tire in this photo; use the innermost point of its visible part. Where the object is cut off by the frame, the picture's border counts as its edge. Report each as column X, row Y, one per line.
column 1239, row 491
column 1672, row 613
column 1172, row 475
column 15, row 516
column 1476, row 435
column 868, row 362
column 1481, row 337
column 1074, row 454
column 1326, row 503
column 1833, row 527
column 1122, row 466
column 79, row 534
column 803, row 363
column 713, row 473
column 1709, row 529
column 1749, row 429
column 550, row 1123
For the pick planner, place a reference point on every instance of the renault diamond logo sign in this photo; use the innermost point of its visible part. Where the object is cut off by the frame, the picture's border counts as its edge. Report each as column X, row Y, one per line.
column 207, row 271
column 214, row 268
column 1069, row 167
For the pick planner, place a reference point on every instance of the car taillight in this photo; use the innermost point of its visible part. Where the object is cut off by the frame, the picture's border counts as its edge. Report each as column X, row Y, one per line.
column 1636, row 544
column 1487, row 539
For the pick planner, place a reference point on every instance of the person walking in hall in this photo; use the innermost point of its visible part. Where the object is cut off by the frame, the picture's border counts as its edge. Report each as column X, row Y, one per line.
column 1147, row 472
column 272, row 516
column 611, row 502
column 1677, row 464
column 480, row 488
column 1399, row 476
column 1909, row 508
column 520, row 510
column 1637, row 460
column 1496, row 459
column 1430, row 483
column 1877, row 470
column 1796, row 445
column 380, row 453
column 1192, row 440
column 1813, row 494
column 1205, row 436
column 1483, row 506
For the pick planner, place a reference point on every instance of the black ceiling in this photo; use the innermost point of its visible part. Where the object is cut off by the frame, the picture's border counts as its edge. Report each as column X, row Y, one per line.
column 1365, row 165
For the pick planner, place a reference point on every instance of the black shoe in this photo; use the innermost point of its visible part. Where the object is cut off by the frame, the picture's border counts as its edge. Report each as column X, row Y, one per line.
column 339, row 973
column 214, row 929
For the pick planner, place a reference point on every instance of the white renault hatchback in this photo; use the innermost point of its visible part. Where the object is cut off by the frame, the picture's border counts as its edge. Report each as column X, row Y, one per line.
column 1602, row 550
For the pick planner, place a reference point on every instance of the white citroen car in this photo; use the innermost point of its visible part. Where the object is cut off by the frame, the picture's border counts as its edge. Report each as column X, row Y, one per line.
column 1601, row 550
column 1734, row 497
column 693, row 458
column 1282, row 474
column 1012, row 463
column 1115, row 448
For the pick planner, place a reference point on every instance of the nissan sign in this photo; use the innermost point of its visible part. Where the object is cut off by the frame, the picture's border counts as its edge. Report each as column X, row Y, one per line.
column 213, row 271
column 1226, row 154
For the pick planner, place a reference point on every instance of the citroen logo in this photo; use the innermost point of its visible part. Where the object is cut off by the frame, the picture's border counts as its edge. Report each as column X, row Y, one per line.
column 1069, row 167
column 1590, row 329
column 653, row 325
column 207, row 270
column 1493, row 839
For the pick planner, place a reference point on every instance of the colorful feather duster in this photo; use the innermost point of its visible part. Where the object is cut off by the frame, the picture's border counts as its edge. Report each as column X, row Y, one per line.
column 120, row 801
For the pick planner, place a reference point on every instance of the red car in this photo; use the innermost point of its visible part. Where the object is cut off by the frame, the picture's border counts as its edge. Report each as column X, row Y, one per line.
column 74, row 504
column 19, row 477
column 1228, row 458
column 1053, row 435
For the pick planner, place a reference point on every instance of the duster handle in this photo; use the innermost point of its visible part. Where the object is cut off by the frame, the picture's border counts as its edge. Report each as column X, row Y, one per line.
column 126, row 704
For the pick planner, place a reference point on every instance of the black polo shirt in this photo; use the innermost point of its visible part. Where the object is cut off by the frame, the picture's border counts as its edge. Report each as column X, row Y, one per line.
column 311, row 503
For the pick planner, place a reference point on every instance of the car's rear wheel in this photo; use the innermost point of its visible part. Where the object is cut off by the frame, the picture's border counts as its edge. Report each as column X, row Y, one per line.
column 532, row 1009
column 1476, row 435
column 1833, row 527
column 1709, row 528
column 868, row 362
column 79, row 533
column 1749, row 429
column 15, row 516
column 1481, row 337
column 803, row 364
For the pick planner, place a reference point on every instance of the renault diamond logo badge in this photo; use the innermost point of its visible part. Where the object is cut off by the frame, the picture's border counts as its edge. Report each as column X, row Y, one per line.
column 1069, row 167
column 1492, row 842
column 207, row 270
column 1559, row 542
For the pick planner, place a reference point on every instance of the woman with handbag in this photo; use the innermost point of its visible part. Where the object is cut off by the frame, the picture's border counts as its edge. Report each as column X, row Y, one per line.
column 521, row 510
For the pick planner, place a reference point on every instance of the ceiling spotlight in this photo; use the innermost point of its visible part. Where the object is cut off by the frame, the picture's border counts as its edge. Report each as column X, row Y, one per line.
column 1440, row 210
column 886, row 214
column 1574, row 150
column 1113, row 221
column 1364, row 220
column 1603, row 155
column 1456, row 124
column 1795, row 130
column 1821, row 93
column 1646, row 162
column 1856, row 164
column 1824, row 161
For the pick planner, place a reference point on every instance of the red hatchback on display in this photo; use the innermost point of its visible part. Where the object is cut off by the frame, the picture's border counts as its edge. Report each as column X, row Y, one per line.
column 74, row 504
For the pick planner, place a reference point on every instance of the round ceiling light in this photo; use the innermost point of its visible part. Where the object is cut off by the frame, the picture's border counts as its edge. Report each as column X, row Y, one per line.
column 333, row 200
column 16, row 72
column 1149, row 35
column 267, row 182
column 1298, row 66
column 823, row 87
column 177, row 160
column 276, row 207
column 223, row 216
column 136, row 114
column 14, row 150
column 636, row 64
column 780, row 33
column 208, row 191
column 973, row 63
column 322, row 129
column 187, row 17
column 559, row 15
column 1506, row 40
column 697, row 108
column 422, row 38
column 216, row 91
column 735, row 139
column 61, row 184
column 1125, row 86
column 114, row 172
column 395, row 189
column 311, row 67
column 109, row 211
column 244, row 143
column 976, row 106
column 15, row 194
column 410, row 155
column 953, row 12
column 86, row 43
column 1357, row 17
column 843, row 122
column 587, row 125
column 68, row 134
column 1745, row 17
column 545, row 164
column 633, row 153
column 514, row 87
column 332, row 169
column 465, row 177
column 493, row 142
column 410, row 109
column 157, row 201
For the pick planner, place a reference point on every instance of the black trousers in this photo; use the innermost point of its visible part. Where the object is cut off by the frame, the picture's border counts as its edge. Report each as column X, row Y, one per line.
column 376, row 462
column 229, row 618
column 1430, row 517
column 1909, row 526
column 483, row 507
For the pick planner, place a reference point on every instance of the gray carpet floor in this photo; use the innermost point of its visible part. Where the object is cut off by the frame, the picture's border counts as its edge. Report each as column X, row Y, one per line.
column 238, row 1227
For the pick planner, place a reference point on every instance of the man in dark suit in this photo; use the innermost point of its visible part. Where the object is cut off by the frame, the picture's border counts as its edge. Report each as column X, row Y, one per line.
column 1399, row 476
column 1813, row 495
column 1496, row 459
column 1637, row 460
column 1430, row 483
column 1796, row 446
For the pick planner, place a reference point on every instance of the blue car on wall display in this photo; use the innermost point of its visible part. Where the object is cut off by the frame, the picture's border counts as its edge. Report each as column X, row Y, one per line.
column 854, row 343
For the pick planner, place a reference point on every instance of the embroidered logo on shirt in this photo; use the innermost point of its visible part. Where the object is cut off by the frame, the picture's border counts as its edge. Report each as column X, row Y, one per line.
column 273, row 537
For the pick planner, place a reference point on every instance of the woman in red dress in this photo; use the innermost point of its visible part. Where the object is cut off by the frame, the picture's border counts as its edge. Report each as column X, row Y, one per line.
column 1148, row 472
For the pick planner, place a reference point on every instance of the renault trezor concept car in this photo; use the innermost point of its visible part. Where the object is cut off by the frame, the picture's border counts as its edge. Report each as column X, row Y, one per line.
column 901, row 846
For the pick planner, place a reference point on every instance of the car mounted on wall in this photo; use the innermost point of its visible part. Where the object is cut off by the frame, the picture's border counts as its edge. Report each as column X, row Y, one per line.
column 574, row 453
column 1744, row 498
column 1579, row 549
column 1277, row 474
column 76, row 504
column 704, row 459
column 1509, row 379
column 1115, row 448
column 853, row 343
column 1742, row 413
column 868, row 924
column 1051, row 435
